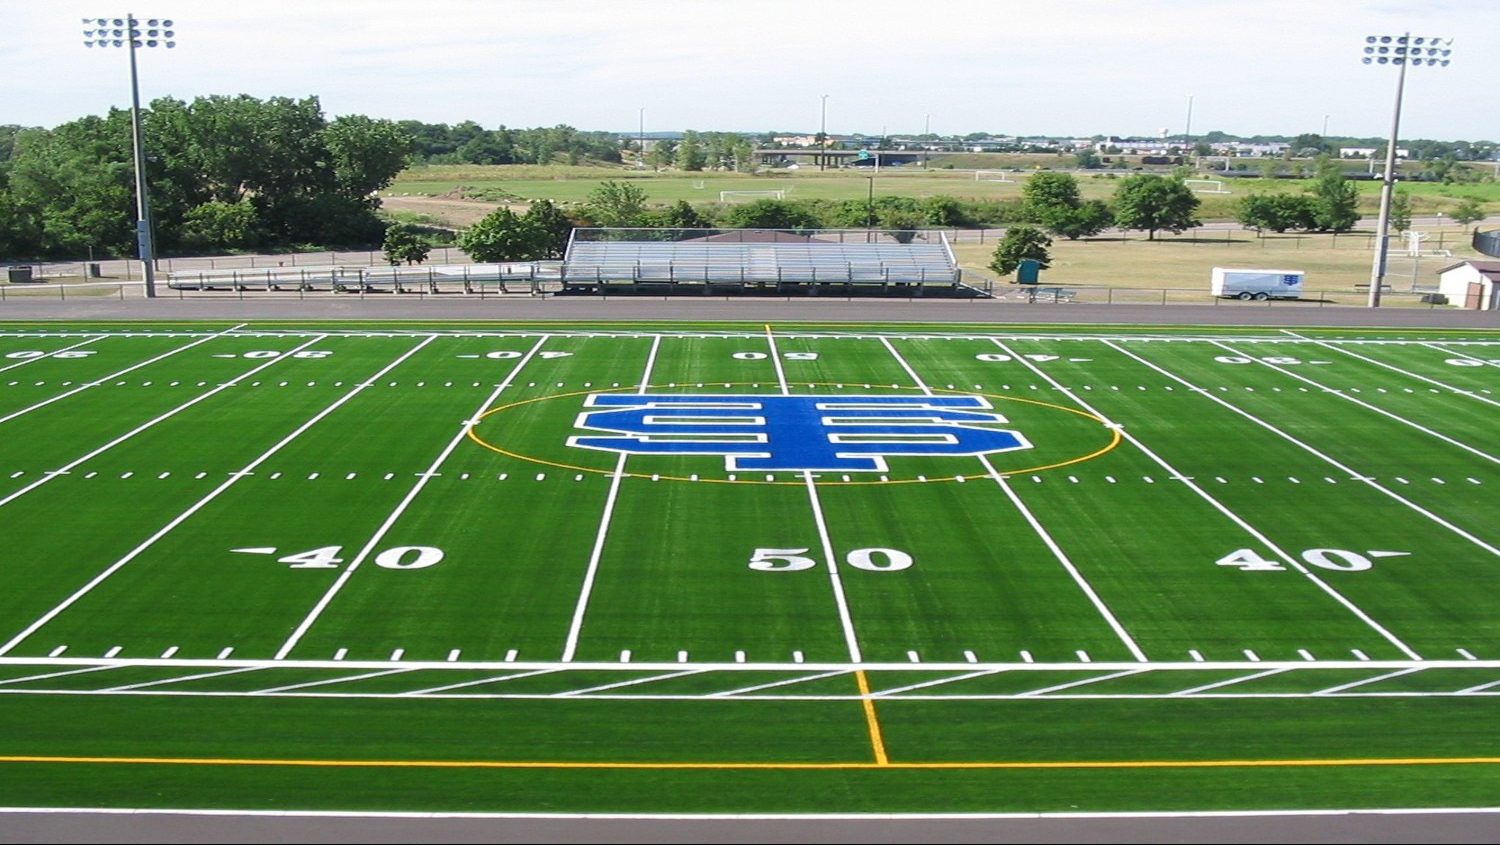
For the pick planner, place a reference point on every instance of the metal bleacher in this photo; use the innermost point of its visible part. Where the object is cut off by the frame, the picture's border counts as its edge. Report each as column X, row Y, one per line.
column 759, row 261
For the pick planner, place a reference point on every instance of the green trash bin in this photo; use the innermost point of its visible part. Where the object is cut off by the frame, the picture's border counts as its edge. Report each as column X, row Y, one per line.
column 1030, row 271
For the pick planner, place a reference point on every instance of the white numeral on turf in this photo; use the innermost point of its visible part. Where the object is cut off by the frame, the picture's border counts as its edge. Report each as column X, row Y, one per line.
column 781, row 560
column 997, row 357
column 399, row 557
column 793, row 560
column 1338, row 560
column 327, row 557
column 1272, row 359
column 306, row 353
column 761, row 356
column 33, row 353
column 1457, row 362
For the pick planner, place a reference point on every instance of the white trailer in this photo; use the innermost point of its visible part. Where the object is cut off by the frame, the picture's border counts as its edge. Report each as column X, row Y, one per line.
column 1257, row 284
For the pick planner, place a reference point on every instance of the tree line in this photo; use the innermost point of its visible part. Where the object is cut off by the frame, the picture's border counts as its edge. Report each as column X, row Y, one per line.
column 224, row 173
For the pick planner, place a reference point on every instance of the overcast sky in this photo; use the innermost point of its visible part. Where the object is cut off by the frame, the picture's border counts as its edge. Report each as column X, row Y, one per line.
column 1044, row 67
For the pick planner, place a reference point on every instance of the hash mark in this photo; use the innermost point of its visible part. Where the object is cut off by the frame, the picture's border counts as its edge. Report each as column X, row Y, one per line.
column 797, row 657
column 1306, row 655
column 1251, row 656
column 1359, row 654
column 510, row 656
column 1026, row 657
column 970, row 657
column 1196, row 655
column 113, row 651
column 57, row 652
column 913, row 657
column 169, row 652
column 625, row 656
column 1463, row 652
column 340, row 654
column 224, row 653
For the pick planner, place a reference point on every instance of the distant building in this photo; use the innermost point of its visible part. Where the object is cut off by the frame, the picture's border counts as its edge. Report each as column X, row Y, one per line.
column 1368, row 152
column 1471, row 284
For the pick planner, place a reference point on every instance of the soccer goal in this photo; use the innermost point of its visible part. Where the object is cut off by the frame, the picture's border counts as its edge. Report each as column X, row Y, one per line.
column 992, row 176
column 698, row 184
column 1214, row 186
column 734, row 196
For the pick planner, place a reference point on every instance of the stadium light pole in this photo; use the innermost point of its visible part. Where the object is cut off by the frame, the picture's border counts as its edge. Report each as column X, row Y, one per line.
column 641, row 149
column 1400, row 50
column 125, row 32
column 823, row 136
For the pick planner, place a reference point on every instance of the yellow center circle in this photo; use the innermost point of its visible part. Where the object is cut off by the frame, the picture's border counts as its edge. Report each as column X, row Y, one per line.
column 1114, row 441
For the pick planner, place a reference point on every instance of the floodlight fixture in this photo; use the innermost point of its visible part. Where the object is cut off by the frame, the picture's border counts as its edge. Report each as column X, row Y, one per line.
column 127, row 32
column 1400, row 50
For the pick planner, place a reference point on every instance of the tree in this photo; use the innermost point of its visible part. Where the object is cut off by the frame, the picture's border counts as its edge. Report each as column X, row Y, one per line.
column 402, row 243
column 944, row 211
column 616, row 205
column 1337, row 201
column 549, row 230
column 1466, row 212
column 679, row 215
column 690, row 154
column 1053, row 201
column 1146, row 201
column 1401, row 211
column 771, row 214
column 1278, row 212
column 1021, row 242
column 500, row 236
column 218, row 224
column 1087, row 160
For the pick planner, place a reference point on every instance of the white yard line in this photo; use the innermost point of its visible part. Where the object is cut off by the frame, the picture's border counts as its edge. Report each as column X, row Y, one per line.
column 49, row 476
column 1294, row 562
column 102, row 379
column 586, row 590
column 480, row 682
column 1362, row 682
column 845, row 619
column 395, row 514
column 1081, row 683
column 1066, row 562
column 329, row 681
column 50, row 675
column 1230, row 682
column 774, row 684
column 53, row 353
column 939, row 682
column 1036, row 526
column 630, row 683
column 1359, row 476
column 1363, row 404
column 203, row 502
column 1405, row 372
column 169, row 681
column 1480, row 688
column 1446, row 351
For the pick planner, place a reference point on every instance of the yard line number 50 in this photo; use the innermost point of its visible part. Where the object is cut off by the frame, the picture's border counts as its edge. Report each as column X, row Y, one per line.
column 794, row 560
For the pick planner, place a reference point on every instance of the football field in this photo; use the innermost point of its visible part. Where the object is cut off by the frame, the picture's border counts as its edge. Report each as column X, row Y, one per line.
column 748, row 568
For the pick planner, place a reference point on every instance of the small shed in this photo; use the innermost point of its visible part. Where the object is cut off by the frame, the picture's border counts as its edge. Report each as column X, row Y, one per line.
column 1471, row 284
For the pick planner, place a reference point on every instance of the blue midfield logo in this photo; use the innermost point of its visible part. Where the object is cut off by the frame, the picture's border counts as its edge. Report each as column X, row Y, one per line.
column 814, row 433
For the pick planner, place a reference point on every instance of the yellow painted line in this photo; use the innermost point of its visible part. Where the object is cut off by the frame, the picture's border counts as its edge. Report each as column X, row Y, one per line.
column 877, row 742
column 1114, row 441
column 937, row 766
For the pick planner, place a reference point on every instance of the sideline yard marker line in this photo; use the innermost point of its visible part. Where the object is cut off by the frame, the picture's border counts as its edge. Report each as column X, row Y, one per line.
column 480, row 682
column 395, row 514
column 53, row 353
column 877, row 740
column 1363, row 404
column 630, row 683
column 1331, row 461
column 1228, row 683
column 774, row 684
column 329, row 681
column 50, row 675
column 1038, row 693
column 776, row 361
column 580, row 764
column 1363, row 681
column 1393, row 368
column 101, row 379
column 591, row 571
column 1036, row 525
column 940, row 681
column 71, row 465
column 1478, row 689
column 203, row 502
column 1222, row 508
column 1443, row 349
column 169, row 681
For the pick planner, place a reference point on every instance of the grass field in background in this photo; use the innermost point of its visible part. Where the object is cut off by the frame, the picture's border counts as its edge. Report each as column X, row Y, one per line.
column 359, row 566
column 573, row 184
